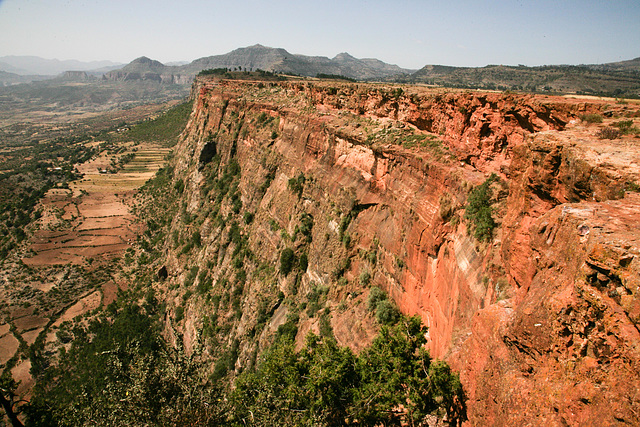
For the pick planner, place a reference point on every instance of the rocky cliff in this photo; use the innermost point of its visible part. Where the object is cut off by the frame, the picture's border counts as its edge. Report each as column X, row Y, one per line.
column 370, row 186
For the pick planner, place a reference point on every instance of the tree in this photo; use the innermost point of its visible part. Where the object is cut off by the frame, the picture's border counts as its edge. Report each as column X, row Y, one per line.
column 7, row 399
column 120, row 372
column 396, row 385
column 274, row 393
column 331, row 380
column 394, row 382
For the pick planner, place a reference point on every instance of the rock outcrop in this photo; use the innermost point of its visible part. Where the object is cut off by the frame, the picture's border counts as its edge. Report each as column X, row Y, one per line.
column 541, row 321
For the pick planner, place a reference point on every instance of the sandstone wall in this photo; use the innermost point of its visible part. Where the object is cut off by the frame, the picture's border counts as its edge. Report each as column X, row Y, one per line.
column 541, row 322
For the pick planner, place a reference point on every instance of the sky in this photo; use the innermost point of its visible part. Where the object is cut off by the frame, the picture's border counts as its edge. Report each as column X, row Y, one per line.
column 409, row 33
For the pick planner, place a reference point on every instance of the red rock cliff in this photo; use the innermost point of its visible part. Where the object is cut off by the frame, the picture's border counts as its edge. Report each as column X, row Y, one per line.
column 541, row 322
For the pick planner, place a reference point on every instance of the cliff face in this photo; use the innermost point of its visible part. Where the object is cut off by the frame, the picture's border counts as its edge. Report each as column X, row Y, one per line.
column 541, row 321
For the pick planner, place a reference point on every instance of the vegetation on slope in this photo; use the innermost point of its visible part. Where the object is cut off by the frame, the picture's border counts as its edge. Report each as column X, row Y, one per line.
column 393, row 382
column 115, row 367
column 602, row 80
column 479, row 211
column 163, row 129
column 119, row 370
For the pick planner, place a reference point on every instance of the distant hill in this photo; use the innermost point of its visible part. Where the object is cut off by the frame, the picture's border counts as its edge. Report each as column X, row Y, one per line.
column 617, row 79
column 79, row 90
column 33, row 65
column 8, row 79
column 260, row 57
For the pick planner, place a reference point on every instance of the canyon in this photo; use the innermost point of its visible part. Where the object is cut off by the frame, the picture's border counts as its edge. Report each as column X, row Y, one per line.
column 539, row 317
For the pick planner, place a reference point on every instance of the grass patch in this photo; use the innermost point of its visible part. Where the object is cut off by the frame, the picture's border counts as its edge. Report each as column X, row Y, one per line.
column 164, row 129
column 591, row 118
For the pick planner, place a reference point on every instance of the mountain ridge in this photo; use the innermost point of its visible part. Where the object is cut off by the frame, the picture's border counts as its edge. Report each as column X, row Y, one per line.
column 35, row 65
column 616, row 79
column 265, row 58
column 619, row 79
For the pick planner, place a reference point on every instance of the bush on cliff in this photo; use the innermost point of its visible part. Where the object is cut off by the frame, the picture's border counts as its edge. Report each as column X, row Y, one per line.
column 387, row 313
column 287, row 258
column 479, row 211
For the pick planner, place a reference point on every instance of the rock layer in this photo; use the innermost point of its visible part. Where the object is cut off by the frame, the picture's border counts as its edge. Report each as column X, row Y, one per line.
column 541, row 322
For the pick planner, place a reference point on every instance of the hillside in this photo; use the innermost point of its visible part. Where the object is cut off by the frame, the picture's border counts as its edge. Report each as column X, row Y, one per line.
column 490, row 216
column 8, row 78
column 34, row 65
column 260, row 57
column 620, row 79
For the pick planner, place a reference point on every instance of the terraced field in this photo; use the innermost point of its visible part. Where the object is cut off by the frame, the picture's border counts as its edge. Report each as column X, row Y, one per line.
column 92, row 219
column 81, row 229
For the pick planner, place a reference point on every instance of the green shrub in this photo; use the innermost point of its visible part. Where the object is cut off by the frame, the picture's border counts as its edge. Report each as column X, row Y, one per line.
column 205, row 285
column 263, row 118
column 626, row 127
column 179, row 186
column 387, row 313
column 375, row 296
column 287, row 258
column 479, row 211
column 296, row 185
column 632, row 186
column 609, row 133
column 248, row 217
column 196, row 239
column 341, row 268
column 365, row 278
column 235, row 234
column 179, row 313
column 306, row 226
column 213, row 71
column 591, row 118
column 303, row 263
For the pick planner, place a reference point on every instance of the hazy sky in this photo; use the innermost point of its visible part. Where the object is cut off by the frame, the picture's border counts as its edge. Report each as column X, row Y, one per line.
column 410, row 33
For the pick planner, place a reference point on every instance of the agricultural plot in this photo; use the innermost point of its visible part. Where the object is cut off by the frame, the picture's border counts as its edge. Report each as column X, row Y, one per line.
column 92, row 218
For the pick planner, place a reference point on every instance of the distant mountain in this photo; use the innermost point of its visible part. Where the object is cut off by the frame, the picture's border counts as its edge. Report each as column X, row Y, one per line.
column 144, row 64
column 260, row 57
column 632, row 65
column 177, row 63
column 9, row 79
column 29, row 65
column 146, row 69
column 8, row 68
column 616, row 79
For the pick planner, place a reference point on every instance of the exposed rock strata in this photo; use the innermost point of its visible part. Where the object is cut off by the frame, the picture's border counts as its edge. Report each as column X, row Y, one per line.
column 542, row 322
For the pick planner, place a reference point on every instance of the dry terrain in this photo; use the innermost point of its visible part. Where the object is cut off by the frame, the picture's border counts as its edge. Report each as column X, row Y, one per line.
column 92, row 217
column 63, row 270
